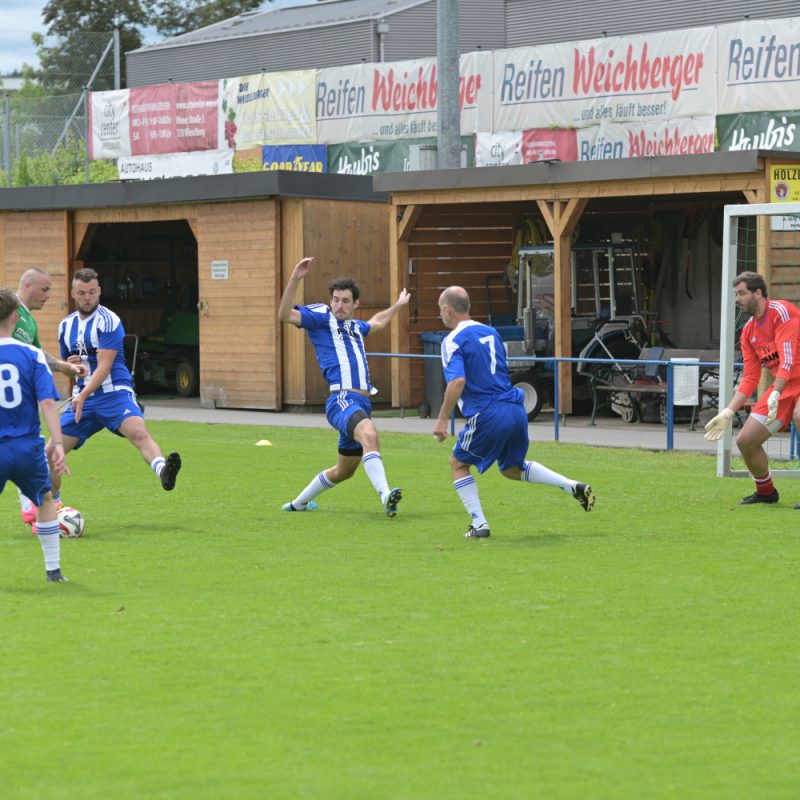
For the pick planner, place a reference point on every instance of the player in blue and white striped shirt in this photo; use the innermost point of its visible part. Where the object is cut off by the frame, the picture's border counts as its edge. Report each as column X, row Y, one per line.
column 476, row 373
column 103, row 397
column 338, row 341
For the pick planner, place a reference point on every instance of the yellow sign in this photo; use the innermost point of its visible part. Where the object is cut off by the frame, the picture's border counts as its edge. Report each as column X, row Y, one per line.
column 784, row 183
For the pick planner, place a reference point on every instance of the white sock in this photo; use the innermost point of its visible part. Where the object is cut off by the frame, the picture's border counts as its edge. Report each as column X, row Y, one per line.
column 467, row 490
column 534, row 472
column 24, row 502
column 317, row 486
column 157, row 464
column 373, row 466
column 51, row 543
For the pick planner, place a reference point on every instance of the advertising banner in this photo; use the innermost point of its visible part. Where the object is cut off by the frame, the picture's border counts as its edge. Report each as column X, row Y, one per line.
column 498, row 149
column 758, row 65
column 549, row 144
column 669, row 138
column 367, row 158
column 270, row 108
column 175, row 165
column 397, row 100
column 640, row 78
column 761, row 130
column 109, row 126
column 152, row 120
column 297, row 157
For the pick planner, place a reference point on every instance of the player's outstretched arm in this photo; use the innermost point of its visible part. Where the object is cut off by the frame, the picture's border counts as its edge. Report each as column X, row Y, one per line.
column 380, row 320
column 286, row 312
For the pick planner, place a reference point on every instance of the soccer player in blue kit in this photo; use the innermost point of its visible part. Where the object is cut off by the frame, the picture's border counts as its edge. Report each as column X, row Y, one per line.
column 476, row 373
column 26, row 386
column 104, row 397
column 338, row 341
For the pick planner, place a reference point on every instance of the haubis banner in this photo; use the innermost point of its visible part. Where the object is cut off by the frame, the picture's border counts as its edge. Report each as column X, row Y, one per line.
column 270, row 108
column 175, row 165
column 761, row 130
column 640, row 78
column 498, row 149
column 408, row 155
column 631, row 140
column 398, row 100
column 109, row 126
column 758, row 65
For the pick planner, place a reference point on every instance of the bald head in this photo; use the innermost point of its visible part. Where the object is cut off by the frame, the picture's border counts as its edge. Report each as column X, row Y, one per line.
column 34, row 288
column 454, row 305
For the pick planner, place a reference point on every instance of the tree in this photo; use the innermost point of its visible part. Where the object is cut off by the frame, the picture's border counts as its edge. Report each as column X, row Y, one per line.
column 174, row 17
column 84, row 27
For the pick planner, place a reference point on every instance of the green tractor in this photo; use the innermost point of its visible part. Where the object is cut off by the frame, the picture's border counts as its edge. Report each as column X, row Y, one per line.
column 169, row 358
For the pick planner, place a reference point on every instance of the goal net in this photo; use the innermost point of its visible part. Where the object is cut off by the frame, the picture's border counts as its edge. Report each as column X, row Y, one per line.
column 763, row 238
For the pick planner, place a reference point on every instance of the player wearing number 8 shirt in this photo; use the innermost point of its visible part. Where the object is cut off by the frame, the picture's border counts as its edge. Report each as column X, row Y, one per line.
column 477, row 378
column 26, row 387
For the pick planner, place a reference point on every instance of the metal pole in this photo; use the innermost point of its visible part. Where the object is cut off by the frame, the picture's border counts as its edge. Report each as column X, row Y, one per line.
column 7, row 140
column 448, row 132
column 87, row 132
column 116, row 59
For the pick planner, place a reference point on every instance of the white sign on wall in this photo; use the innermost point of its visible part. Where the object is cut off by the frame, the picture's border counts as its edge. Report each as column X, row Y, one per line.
column 219, row 270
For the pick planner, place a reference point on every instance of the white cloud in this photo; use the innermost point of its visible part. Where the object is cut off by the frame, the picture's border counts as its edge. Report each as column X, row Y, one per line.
column 18, row 20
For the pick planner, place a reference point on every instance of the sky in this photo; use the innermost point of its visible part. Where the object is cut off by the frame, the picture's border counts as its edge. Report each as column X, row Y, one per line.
column 20, row 18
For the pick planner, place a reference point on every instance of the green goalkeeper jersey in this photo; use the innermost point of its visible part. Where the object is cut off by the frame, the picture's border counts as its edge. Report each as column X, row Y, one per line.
column 27, row 330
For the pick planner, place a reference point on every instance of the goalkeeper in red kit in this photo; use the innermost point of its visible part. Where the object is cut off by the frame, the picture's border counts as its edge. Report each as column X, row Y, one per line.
column 770, row 339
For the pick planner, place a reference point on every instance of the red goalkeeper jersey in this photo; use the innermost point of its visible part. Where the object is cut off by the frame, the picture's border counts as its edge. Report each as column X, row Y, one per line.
column 772, row 341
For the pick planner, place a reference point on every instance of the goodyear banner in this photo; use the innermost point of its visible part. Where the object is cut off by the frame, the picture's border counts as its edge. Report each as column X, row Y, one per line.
column 153, row 120
column 297, row 158
column 270, row 108
column 398, row 100
column 759, row 65
column 761, row 130
column 643, row 78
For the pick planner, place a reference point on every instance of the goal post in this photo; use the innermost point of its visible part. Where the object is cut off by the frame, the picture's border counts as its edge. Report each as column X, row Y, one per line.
column 759, row 237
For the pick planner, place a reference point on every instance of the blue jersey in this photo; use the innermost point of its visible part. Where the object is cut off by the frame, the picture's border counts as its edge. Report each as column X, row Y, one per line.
column 339, row 347
column 101, row 330
column 25, row 380
column 475, row 352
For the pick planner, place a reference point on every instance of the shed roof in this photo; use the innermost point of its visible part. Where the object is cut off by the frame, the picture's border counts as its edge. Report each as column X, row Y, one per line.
column 276, row 20
column 210, row 188
column 558, row 172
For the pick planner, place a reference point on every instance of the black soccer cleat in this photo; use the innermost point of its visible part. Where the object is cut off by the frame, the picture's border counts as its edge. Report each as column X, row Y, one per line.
column 759, row 498
column 481, row 532
column 55, row 576
column 391, row 501
column 584, row 495
column 172, row 466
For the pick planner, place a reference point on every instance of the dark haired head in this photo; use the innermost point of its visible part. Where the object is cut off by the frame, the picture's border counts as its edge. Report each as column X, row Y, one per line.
column 342, row 285
column 85, row 275
column 752, row 280
column 9, row 303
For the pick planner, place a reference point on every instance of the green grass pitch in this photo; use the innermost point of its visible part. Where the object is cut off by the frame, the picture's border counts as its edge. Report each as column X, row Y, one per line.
column 210, row 646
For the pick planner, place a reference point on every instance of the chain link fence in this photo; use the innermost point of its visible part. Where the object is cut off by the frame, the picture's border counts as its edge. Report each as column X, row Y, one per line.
column 43, row 139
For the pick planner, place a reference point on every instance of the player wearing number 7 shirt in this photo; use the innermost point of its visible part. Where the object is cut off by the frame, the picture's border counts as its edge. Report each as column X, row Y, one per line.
column 476, row 373
column 770, row 340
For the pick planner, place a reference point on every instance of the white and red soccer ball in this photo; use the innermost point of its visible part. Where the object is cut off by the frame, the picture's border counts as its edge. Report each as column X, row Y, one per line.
column 71, row 522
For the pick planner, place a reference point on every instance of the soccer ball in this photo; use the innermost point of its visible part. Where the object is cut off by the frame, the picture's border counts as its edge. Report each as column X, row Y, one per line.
column 71, row 522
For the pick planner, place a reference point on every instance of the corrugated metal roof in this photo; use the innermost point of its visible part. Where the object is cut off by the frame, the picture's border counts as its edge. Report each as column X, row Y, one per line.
column 208, row 188
column 276, row 20
column 549, row 173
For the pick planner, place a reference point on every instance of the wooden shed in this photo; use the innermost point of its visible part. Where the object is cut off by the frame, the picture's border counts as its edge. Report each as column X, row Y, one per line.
column 459, row 227
column 221, row 244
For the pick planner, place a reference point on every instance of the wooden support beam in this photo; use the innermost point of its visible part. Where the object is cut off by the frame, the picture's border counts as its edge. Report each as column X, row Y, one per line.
column 398, row 276
column 411, row 215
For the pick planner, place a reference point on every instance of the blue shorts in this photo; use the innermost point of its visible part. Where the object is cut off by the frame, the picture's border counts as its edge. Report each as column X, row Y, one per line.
column 339, row 407
column 106, row 410
column 498, row 433
column 23, row 462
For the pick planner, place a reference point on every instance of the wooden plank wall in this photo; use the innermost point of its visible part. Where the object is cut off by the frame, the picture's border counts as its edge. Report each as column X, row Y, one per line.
column 38, row 239
column 785, row 265
column 456, row 244
column 346, row 239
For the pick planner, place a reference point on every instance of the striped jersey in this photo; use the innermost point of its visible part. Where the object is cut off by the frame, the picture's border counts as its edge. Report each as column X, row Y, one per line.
column 475, row 352
column 339, row 346
column 25, row 380
column 101, row 330
column 771, row 342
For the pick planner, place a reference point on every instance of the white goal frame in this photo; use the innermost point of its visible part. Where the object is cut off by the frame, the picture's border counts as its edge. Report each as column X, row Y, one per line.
column 730, row 249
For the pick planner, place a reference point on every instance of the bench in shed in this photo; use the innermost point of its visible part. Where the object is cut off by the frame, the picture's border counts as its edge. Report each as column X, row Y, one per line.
column 639, row 391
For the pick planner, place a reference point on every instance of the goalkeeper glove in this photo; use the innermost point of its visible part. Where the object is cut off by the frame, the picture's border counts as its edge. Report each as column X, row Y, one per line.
column 772, row 406
column 716, row 427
